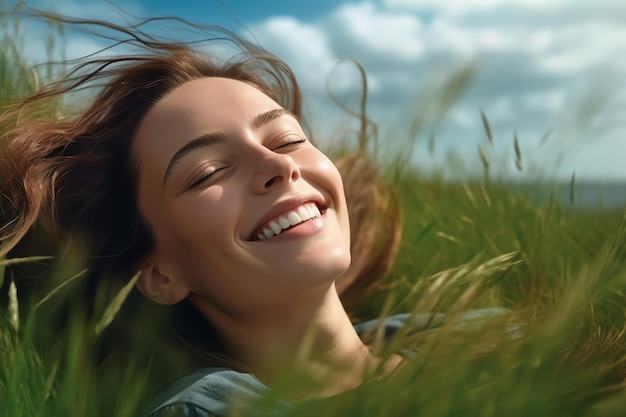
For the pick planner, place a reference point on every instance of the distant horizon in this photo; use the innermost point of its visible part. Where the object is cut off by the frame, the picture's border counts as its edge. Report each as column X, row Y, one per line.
column 588, row 193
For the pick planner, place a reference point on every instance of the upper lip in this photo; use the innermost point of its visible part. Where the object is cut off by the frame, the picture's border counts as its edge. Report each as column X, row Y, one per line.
column 285, row 206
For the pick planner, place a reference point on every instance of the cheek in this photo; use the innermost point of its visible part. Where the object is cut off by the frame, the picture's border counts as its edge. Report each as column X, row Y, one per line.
column 325, row 176
column 323, row 171
column 205, row 219
column 328, row 171
column 195, row 228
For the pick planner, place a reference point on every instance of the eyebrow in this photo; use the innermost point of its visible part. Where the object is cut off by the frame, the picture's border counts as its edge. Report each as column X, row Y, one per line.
column 202, row 141
column 210, row 139
column 268, row 116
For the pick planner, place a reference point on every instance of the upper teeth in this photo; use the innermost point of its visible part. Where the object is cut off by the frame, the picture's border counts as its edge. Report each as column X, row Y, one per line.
column 291, row 218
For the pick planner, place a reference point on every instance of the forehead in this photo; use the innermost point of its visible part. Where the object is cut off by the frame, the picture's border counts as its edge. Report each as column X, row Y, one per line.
column 195, row 108
column 206, row 103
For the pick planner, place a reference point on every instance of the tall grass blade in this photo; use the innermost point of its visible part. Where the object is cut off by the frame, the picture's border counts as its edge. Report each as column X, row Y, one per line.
column 485, row 160
column 470, row 276
column 15, row 261
column 616, row 257
column 432, row 110
column 114, row 306
column 60, row 287
column 431, row 144
column 486, row 125
column 545, row 137
column 518, row 153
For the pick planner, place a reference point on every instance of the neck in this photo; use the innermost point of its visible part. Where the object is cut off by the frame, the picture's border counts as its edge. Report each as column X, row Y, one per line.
column 312, row 340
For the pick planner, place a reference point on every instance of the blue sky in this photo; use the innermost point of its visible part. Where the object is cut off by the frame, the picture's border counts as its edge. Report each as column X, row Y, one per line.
column 539, row 66
column 244, row 10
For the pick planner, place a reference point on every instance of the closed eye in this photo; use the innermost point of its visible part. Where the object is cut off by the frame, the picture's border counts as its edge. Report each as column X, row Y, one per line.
column 291, row 140
column 203, row 178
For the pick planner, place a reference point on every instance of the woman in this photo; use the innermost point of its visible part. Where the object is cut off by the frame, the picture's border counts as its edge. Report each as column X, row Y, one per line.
column 198, row 173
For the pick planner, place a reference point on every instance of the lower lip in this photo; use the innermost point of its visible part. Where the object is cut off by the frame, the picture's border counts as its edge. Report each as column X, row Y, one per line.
column 305, row 228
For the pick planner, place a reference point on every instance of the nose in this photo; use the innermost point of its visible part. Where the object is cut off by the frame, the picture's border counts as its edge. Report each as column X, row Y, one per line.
column 273, row 169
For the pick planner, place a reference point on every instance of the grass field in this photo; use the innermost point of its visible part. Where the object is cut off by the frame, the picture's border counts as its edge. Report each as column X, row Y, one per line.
column 561, row 351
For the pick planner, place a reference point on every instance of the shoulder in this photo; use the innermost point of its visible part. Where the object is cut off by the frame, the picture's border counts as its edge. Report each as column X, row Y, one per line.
column 416, row 322
column 207, row 392
column 214, row 392
column 181, row 410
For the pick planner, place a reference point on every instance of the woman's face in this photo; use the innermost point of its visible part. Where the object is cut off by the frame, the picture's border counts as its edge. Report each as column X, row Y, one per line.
column 245, row 211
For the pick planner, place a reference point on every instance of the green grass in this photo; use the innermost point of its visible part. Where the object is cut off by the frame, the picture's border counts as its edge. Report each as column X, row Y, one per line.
column 563, row 278
column 561, row 272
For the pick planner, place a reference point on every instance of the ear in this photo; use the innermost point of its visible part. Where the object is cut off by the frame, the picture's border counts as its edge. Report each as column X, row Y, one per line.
column 159, row 287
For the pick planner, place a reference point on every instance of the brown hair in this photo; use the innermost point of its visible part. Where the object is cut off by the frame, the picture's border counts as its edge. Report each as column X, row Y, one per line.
column 72, row 173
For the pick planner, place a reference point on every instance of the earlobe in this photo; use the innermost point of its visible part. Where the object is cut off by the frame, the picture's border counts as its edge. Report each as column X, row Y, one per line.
column 159, row 287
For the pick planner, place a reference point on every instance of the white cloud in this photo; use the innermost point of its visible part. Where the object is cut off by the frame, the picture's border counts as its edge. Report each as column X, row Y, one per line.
column 550, row 101
column 458, row 7
column 537, row 61
column 387, row 34
column 305, row 47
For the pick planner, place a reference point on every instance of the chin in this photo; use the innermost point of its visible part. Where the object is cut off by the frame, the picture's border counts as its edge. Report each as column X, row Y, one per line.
column 330, row 267
column 313, row 270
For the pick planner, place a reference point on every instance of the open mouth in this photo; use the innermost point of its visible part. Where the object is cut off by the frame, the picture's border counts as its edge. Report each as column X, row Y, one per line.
column 287, row 220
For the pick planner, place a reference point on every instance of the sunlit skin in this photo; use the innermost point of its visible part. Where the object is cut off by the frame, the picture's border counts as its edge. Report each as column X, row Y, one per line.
column 217, row 160
column 203, row 231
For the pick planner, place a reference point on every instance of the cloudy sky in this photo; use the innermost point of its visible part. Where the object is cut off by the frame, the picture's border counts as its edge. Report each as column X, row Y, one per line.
column 552, row 72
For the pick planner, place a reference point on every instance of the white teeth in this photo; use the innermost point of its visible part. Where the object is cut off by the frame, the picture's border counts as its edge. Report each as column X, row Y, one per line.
column 284, row 223
column 275, row 227
column 292, row 218
column 304, row 213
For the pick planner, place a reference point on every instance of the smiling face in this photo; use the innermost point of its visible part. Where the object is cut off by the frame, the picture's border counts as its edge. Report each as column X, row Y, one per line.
column 246, row 213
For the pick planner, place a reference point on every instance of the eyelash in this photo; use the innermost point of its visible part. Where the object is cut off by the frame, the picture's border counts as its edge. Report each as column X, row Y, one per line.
column 293, row 142
column 207, row 175
column 202, row 179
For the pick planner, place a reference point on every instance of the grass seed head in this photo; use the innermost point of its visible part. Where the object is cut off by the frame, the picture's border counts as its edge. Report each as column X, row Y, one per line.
column 487, row 126
column 14, row 310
